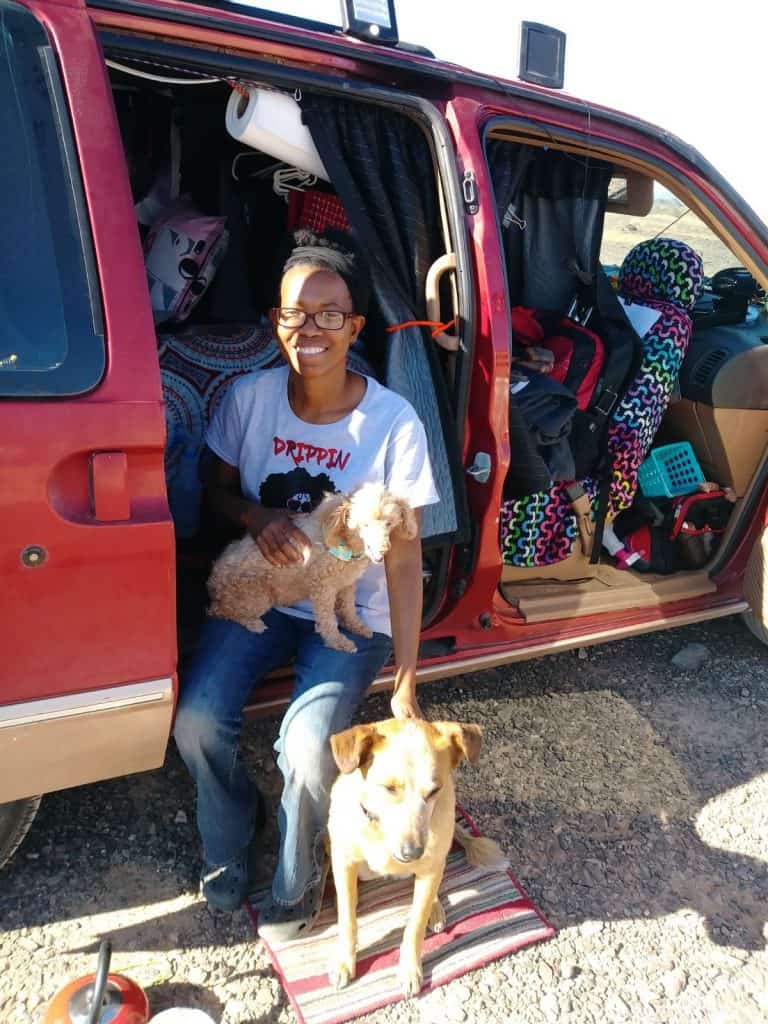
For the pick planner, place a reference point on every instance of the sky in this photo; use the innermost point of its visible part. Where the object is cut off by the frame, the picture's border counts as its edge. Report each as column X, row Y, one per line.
column 695, row 68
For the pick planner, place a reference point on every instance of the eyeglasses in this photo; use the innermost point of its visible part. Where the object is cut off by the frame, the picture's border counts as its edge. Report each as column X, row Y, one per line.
column 325, row 320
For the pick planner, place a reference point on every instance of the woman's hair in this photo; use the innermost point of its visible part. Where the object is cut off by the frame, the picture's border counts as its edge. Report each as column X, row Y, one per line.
column 335, row 251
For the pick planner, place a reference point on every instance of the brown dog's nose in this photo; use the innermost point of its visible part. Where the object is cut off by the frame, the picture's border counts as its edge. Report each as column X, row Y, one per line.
column 409, row 851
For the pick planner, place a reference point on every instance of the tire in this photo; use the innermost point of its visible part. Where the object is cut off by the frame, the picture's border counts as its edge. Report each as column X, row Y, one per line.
column 756, row 589
column 15, row 819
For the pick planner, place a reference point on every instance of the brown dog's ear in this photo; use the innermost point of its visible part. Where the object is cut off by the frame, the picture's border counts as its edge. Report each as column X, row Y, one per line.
column 352, row 747
column 336, row 523
column 408, row 527
column 465, row 740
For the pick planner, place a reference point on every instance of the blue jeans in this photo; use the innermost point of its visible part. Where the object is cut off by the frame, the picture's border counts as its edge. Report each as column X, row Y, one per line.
column 228, row 662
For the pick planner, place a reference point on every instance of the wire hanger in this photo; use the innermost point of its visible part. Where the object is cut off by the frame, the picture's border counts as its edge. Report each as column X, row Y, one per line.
column 262, row 172
column 292, row 179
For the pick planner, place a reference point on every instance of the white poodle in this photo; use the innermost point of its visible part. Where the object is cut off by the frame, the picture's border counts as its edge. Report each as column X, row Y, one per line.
column 347, row 533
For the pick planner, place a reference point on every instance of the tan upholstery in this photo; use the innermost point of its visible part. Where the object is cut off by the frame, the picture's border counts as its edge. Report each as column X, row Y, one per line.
column 729, row 443
column 575, row 567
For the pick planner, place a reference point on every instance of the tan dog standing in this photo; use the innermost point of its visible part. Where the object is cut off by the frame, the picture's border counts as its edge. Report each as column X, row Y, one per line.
column 393, row 813
column 347, row 532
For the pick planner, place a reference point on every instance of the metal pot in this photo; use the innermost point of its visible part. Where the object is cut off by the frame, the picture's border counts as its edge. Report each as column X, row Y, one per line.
column 100, row 998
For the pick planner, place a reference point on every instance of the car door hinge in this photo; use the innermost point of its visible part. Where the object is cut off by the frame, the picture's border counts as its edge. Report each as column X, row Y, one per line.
column 469, row 191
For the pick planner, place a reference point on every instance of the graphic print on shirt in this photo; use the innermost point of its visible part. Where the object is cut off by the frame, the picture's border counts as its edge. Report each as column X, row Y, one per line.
column 300, row 452
column 297, row 491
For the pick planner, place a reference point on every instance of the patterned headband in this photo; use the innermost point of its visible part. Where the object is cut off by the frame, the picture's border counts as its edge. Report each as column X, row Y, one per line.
column 335, row 258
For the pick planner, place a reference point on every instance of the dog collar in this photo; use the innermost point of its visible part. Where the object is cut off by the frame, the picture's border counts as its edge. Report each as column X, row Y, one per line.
column 345, row 554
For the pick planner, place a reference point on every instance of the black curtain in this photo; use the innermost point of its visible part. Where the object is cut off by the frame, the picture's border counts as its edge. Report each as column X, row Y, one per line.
column 551, row 207
column 508, row 162
column 382, row 169
column 381, row 166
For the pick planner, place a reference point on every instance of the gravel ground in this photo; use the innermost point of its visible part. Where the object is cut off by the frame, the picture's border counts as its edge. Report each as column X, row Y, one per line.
column 630, row 793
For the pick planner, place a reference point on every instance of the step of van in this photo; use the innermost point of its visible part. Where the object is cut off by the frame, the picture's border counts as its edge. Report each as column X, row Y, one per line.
column 610, row 590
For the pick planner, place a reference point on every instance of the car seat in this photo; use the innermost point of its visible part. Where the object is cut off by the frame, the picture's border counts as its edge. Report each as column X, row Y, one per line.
column 539, row 531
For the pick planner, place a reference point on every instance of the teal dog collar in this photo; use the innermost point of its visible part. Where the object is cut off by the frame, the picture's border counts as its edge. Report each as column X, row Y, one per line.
column 344, row 554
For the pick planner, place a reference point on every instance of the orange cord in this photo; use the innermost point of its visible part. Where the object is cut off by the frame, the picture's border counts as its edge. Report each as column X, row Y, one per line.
column 423, row 323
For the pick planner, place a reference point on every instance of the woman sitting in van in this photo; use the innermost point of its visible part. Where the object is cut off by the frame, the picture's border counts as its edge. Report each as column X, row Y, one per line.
column 256, row 471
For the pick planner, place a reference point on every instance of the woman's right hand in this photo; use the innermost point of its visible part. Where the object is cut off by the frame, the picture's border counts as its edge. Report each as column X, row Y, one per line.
column 277, row 536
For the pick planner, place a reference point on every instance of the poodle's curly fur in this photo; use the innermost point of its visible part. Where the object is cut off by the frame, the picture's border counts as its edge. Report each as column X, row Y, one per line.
column 243, row 585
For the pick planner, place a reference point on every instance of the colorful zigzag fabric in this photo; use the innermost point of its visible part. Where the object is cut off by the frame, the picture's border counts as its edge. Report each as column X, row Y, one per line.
column 665, row 275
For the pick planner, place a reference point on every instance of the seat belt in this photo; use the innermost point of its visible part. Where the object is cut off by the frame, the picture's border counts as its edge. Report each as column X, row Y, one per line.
column 622, row 346
column 582, row 510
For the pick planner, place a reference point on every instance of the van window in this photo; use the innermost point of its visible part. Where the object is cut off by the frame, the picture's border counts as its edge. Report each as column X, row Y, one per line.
column 669, row 218
column 49, row 342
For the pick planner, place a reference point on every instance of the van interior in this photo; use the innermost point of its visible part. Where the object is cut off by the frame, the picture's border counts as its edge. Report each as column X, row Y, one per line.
column 181, row 155
column 602, row 214
column 578, row 215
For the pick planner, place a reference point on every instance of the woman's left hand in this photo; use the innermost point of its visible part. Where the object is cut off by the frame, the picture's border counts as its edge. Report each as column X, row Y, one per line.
column 404, row 585
column 404, row 703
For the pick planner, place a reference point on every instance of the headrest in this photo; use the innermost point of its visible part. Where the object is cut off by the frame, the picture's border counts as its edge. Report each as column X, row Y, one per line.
column 662, row 270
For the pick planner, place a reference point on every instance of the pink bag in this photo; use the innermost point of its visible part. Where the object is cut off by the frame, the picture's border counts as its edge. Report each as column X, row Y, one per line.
column 182, row 252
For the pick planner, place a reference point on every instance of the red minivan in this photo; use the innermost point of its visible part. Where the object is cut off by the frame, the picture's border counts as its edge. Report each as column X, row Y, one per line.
column 476, row 198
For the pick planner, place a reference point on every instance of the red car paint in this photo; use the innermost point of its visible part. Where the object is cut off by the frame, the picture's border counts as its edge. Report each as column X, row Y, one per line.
column 101, row 610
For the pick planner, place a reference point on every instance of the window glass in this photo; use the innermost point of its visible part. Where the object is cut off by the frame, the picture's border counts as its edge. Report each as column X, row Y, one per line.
column 668, row 218
column 49, row 344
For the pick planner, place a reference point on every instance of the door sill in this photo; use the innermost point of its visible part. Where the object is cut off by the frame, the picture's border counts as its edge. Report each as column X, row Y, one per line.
column 611, row 590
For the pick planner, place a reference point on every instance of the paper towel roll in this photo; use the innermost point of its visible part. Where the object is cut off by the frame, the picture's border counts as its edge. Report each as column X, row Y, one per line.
column 271, row 122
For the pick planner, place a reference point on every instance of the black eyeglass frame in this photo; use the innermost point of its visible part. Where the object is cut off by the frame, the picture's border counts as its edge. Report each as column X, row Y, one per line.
column 276, row 312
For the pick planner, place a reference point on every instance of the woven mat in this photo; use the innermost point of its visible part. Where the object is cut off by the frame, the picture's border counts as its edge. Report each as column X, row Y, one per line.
column 487, row 916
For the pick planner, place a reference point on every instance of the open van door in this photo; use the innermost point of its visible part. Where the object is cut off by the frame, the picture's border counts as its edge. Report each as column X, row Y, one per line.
column 87, row 626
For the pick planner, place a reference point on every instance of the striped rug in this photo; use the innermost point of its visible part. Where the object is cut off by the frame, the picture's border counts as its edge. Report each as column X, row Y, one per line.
column 487, row 916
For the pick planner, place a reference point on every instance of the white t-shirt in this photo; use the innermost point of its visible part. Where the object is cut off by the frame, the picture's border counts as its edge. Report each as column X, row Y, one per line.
column 285, row 462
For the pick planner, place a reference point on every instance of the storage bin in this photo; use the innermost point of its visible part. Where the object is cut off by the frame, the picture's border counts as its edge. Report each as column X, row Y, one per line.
column 669, row 471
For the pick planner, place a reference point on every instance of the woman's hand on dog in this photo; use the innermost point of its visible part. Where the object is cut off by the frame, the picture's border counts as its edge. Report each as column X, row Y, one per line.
column 277, row 537
column 404, row 703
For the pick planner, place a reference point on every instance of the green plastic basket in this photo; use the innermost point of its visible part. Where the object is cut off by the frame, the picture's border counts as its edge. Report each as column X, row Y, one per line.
column 670, row 471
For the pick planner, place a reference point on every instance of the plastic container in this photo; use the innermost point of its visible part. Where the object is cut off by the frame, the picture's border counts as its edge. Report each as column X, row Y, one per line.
column 182, row 1015
column 670, row 471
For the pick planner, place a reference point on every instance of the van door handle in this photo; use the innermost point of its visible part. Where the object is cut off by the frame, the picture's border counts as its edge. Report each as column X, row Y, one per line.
column 108, row 485
column 442, row 265
column 480, row 470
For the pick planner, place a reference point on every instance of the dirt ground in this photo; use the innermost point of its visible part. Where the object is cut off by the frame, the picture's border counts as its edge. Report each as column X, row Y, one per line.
column 631, row 796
